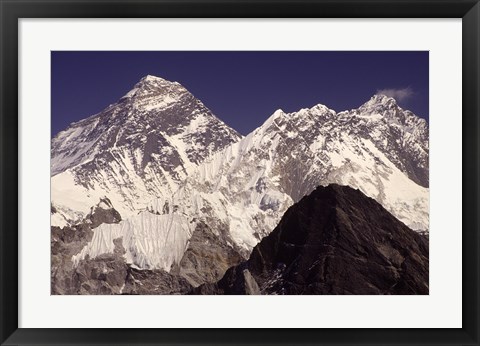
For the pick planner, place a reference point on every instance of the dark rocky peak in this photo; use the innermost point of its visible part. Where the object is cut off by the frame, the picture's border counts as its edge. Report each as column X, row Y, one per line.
column 334, row 241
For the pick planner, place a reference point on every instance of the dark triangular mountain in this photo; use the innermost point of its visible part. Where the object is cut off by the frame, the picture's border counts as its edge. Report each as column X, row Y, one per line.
column 333, row 241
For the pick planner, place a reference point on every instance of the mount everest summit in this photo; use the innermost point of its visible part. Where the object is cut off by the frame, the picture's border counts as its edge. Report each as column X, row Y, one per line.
column 189, row 197
column 138, row 148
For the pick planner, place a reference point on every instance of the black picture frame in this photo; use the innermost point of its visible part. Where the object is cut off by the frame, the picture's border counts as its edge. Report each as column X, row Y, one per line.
column 12, row 10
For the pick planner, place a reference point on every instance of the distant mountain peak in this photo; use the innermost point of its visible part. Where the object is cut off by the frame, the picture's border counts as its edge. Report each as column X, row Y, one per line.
column 154, row 87
column 315, row 112
column 319, row 110
column 151, row 78
column 154, row 80
column 381, row 100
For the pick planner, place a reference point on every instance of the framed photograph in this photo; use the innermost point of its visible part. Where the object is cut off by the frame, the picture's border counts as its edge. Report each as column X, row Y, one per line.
column 234, row 172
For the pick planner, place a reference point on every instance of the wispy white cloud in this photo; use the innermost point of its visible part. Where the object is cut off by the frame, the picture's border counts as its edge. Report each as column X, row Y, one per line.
column 398, row 94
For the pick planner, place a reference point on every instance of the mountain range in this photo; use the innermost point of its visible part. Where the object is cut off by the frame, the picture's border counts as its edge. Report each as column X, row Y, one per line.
column 189, row 197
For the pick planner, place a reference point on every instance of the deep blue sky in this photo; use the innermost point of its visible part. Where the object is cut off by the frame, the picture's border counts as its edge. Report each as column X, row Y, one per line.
column 241, row 88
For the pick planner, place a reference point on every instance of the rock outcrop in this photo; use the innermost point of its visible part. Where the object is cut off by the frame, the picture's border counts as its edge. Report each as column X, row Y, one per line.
column 207, row 257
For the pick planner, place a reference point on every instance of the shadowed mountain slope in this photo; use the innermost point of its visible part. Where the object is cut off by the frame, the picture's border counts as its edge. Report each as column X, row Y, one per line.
column 333, row 241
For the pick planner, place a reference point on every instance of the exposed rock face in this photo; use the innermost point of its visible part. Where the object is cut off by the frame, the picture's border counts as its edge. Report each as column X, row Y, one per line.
column 207, row 257
column 103, row 275
column 237, row 280
column 155, row 281
column 334, row 241
column 104, row 212
column 70, row 240
column 66, row 242
column 106, row 274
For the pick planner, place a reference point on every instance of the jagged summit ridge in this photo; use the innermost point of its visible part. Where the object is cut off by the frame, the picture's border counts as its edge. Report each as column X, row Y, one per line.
column 293, row 153
column 381, row 99
column 155, row 79
column 155, row 86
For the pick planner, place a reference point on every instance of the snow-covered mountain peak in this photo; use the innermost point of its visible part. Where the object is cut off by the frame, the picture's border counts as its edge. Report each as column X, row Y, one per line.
column 151, row 78
column 279, row 112
column 385, row 109
column 280, row 120
column 381, row 99
column 271, row 119
column 318, row 112
column 388, row 108
column 321, row 108
column 136, row 149
column 157, row 82
column 159, row 89
column 379, row 104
